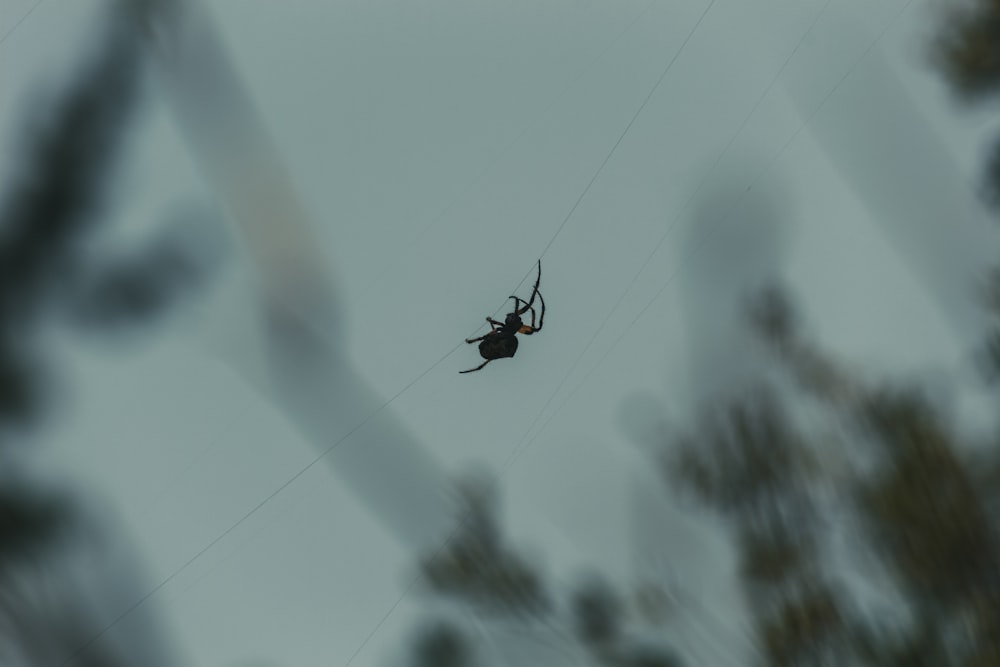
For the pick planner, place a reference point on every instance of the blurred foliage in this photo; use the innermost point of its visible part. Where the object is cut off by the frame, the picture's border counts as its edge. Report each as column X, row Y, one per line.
column 20, row 383
column 923, row 506
column 744, row 458
column 60, row 187
column 49, row 223
column 772, row 318
column 648, row 657
column 966, row 50
column 29, row 521
column 991, row 300
column 66, row 160
column 748, row 462
column 477, row 569
column 597, row 611
column 476, row 566
column 990, row 188
column 799, row 632
column 926, row 514
column 52, row 271
column 967, row 47
column 443, row 645
column 64, row 169
column 137, row 287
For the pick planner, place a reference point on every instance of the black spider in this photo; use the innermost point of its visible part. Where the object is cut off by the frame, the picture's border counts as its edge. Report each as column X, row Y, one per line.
column 501, row 341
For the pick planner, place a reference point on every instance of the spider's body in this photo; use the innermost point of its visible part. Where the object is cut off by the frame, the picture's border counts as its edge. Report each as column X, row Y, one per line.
column 501, row 341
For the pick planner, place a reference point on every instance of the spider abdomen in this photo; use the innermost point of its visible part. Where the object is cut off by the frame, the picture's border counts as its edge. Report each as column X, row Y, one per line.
column 498, row 347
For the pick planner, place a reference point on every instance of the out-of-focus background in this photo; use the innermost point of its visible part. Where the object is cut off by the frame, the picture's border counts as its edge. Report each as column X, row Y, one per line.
column 241, row 246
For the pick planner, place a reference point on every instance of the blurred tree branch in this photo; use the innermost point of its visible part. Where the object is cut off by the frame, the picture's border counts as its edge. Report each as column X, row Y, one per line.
column 50, row 214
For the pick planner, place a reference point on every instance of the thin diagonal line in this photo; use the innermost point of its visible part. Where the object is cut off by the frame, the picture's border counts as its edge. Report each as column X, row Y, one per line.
column 506, row 149
column 256, row 508
column 628, row 127
column 20, row 21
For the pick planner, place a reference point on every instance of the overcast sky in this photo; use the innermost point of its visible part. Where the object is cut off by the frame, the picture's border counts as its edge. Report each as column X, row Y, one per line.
column 439, row 149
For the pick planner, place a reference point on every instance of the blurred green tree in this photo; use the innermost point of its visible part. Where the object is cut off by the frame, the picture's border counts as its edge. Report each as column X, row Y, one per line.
column 50, row 214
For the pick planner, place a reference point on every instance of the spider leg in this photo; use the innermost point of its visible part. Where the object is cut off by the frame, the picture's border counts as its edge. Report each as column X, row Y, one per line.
column 517, row 304
column 534, row 292
column 528, row 306
column 494, row 323
column 538, row 281
column 476, row 340
column 477, row 368
column 541, row 319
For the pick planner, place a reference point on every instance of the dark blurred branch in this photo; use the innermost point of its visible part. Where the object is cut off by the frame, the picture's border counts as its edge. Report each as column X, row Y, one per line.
column 30, row 522
column 66, row 162
column 139, row 286
column 443, row 645
column 477, row 567
column 925, row 511
column 967, row 48
column 56, row 595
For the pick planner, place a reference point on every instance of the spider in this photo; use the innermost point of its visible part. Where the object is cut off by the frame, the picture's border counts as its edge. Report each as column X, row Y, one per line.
column 501, row 341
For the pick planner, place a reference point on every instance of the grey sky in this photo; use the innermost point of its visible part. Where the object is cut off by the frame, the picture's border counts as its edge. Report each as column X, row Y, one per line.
column 437, row 147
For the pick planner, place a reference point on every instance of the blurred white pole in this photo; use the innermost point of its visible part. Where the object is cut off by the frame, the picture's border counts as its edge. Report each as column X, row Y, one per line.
column 738, row 250
column 310, row 376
